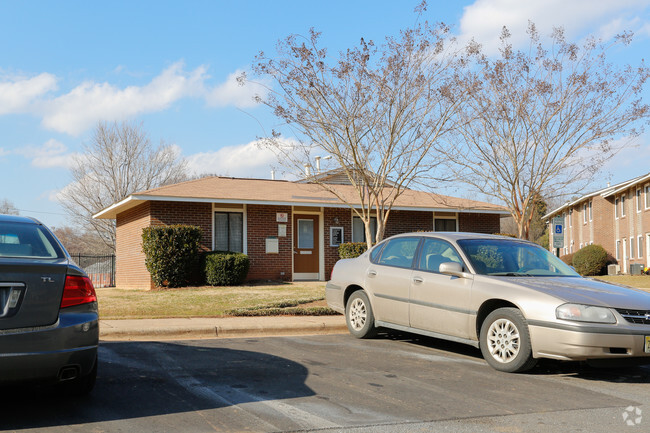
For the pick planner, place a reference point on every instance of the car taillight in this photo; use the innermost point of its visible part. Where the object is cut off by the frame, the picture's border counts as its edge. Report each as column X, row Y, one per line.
column 77, row 291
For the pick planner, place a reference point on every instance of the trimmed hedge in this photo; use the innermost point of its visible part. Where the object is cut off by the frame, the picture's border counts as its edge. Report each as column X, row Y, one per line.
column 225, row 268
column 590, row 260
column 350, row 250
column 171, row 253
column 568, row 258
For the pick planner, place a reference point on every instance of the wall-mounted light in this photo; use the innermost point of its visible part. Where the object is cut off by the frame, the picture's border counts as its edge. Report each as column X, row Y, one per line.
column 336, row 220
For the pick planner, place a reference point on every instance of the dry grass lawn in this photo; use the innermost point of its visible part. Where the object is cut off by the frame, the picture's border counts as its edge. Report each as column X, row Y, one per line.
column 116, row 303
column 639, row 281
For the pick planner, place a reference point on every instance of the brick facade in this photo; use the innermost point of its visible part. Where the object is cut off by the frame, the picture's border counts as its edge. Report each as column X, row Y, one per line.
column 129, row 258
column 611, row 223
column 260, row 224
column 479, row 223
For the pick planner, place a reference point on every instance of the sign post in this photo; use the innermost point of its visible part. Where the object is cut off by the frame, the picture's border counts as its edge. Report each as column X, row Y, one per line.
column 558, row 234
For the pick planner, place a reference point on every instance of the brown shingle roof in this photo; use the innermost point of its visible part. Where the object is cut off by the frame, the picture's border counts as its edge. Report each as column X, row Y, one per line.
column 261, row 191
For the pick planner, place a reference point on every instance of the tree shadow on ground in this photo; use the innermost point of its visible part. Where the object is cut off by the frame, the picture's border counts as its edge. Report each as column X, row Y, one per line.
column 146, row 379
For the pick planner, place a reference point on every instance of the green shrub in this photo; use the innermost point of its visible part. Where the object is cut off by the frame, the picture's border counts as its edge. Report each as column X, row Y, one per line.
column 568, row 258
column 543, row 241
column 225, row 268
column 171, row 253
column 510, row 235
column 350, row 250
column 590, row 260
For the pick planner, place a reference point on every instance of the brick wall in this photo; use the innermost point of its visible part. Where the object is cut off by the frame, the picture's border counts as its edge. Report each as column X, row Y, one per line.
column 165, row 213
column 403, row 221
column 335, row 217
column 262, row 224
column 130, row 271
column 479, row 223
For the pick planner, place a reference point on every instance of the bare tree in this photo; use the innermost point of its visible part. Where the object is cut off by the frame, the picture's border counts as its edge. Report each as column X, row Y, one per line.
column 541, row 122
column 7, row 207
column 377, row 111
column 119, row 161
column 77, row 241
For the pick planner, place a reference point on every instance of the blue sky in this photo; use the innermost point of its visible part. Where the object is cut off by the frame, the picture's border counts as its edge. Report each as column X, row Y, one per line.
column 66, row 65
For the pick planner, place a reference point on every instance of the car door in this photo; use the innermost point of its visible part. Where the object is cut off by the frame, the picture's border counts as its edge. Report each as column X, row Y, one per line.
column 389, row 278
column 438, row 302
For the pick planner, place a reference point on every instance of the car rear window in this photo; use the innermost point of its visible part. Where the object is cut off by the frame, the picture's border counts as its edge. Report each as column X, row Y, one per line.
column 27, row 240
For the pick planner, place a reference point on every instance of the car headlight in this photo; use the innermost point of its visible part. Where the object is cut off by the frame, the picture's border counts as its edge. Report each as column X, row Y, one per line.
column 585, row 313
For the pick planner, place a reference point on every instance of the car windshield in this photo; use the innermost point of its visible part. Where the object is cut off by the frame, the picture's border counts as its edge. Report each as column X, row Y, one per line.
column 513, row 258
column 27, row 240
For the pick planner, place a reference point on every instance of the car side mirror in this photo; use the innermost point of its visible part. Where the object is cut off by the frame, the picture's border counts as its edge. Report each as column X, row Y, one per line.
column 452, row 268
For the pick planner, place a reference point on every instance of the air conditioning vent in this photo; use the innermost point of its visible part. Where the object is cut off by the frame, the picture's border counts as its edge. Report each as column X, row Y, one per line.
column 613, row 269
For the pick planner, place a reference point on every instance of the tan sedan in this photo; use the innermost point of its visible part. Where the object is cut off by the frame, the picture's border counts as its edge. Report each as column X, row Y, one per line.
column 512, row 298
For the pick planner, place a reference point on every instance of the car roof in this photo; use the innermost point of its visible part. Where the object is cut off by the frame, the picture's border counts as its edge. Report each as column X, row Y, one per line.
column 18, row 219
column 456, row 236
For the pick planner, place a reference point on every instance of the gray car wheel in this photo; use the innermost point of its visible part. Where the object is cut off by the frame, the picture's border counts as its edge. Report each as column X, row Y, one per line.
column 359, row 317
column 505, row 341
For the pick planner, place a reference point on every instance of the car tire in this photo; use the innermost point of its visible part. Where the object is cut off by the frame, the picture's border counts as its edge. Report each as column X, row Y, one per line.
column 505, row 341
column 359, row 316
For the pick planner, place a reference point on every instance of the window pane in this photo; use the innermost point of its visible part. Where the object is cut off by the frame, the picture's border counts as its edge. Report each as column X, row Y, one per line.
column 359, row 230
column 399, row 252
column 434, row 253
column 221, row 232
column 445, row 225
column 236, row 232
column 306, row 234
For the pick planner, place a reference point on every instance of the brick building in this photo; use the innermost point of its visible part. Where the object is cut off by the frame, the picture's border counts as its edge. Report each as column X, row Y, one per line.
column 616, row 217
column 290, row 230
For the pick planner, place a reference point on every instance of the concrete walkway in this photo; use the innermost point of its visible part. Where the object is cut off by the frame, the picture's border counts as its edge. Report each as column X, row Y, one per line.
column 222, row 327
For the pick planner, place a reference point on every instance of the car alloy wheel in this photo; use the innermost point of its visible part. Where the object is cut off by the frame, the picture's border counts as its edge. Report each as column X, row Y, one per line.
column 358, row 315
column 505, row 341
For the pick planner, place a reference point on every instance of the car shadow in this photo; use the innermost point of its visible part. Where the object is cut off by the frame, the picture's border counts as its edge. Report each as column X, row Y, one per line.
column 618, row 372
column 143, row 379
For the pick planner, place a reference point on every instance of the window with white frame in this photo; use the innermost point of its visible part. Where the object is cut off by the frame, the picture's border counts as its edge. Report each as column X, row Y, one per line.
column 623, row 205
column 640, row 246
column 616, row 207
column 570, row 217
column 638, row 200
column 591, row 210
column 580, row 246
column 584, row 213
column 229, row 231
column 631, row 248
column 647, row 196
column 618, row 250
column 359, row 229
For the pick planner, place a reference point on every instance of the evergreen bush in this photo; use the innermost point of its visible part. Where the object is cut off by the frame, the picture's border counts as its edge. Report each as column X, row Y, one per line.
column 225, row 268
column 350, row 250
column 590, row 260
column 171, row 253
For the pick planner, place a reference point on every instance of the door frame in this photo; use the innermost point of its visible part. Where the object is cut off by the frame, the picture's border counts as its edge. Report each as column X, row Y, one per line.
column 320, row 276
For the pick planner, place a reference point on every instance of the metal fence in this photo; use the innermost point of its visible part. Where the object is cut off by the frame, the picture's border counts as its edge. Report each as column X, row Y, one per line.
column 100, row 269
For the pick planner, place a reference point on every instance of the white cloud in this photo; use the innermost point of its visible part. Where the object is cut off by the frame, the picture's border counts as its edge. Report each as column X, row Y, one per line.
column 484, row 19
column 16, row 94
column 231, row 92
column 50, row 155
column 247, row 160
column 90, row 102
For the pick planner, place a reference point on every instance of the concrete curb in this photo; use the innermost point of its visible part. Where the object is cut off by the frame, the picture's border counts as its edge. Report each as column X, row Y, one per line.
column 227, row 327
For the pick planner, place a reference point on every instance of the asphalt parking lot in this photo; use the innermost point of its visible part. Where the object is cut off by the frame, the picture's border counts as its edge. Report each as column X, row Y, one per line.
column 394, row 383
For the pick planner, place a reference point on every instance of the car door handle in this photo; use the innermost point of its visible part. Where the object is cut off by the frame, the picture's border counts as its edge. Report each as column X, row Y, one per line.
column 372, row 273
column 418, row 280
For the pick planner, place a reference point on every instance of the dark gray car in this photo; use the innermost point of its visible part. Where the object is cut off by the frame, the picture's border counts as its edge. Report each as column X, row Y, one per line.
column 48, row 309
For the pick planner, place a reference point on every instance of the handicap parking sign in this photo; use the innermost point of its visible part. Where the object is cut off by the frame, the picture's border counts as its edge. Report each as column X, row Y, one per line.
column 558, row 229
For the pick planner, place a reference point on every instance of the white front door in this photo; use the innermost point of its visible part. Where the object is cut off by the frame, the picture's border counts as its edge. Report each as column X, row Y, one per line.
column 625, row 252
